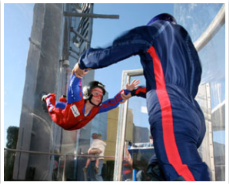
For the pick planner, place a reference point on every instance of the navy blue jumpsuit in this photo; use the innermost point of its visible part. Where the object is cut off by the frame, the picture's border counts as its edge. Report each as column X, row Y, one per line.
column 172, row 70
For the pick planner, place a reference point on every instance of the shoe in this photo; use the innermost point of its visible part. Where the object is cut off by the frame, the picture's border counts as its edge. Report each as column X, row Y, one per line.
column 43, row 103
column 84, row 169
column 96, row 169
column 43, row 97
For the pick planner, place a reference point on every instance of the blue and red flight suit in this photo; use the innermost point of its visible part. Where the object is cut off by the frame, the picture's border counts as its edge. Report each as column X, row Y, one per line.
column 172, row 70
column 70, row 115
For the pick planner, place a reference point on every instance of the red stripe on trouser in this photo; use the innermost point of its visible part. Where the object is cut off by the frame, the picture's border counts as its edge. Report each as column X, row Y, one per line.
column 167, row 120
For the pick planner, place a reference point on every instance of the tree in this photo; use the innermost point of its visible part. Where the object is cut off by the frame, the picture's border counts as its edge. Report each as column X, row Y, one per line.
column 12, row 137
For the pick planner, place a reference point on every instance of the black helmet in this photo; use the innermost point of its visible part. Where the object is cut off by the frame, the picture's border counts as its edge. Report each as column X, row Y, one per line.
column 88, row 88
column 163, row 16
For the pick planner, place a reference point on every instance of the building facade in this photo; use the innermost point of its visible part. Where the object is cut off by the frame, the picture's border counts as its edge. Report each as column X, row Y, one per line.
column 56, row 42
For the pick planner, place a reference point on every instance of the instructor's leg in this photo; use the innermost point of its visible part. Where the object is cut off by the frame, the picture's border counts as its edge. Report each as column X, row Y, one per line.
column 175, row 141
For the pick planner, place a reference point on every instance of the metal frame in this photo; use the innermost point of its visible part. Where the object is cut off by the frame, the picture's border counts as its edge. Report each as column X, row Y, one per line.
column 91, row 15
column 122, row 125
column 213, row 28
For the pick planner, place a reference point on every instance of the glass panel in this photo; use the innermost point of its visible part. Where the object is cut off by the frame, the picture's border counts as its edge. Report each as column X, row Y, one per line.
column 213, row 61
column 213, row 64
column 138, row 145
column 206, row 149
column 56, row 167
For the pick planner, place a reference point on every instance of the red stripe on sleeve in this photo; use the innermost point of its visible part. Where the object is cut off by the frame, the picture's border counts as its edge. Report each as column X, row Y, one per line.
column 143, row 90
column 111, row 104
column 113, row 101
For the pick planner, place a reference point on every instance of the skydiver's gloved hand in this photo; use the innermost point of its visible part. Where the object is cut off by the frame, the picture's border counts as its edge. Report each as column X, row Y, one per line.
column 130, row 87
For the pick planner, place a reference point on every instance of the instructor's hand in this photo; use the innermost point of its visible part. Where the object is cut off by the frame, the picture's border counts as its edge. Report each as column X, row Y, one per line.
column 80, row 73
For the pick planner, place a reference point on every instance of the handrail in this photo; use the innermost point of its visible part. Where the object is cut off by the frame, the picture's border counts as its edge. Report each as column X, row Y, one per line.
column 46, row 153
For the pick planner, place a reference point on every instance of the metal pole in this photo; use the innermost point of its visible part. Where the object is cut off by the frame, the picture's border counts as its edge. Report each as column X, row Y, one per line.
column 71, row 49
column 71, row 55
column 212, row 29
column 63, row 176
column 91, row 15
column 121, row 134
column 78, row 34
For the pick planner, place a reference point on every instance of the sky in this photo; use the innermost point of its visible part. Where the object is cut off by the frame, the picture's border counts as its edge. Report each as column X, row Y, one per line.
column 106, row 30
column 18, row 19
column 17, row 29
